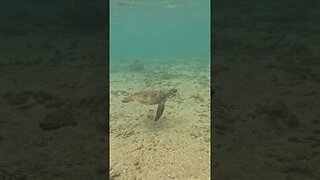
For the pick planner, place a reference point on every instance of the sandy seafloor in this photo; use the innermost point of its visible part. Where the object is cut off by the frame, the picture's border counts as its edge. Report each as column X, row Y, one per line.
column 267, row 80
column 177, row 146
column 58, row 74
column 266, row 122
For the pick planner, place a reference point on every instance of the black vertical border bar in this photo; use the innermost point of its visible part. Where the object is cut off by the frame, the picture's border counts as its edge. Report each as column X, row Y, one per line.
column 211, row 90
column 107, row 102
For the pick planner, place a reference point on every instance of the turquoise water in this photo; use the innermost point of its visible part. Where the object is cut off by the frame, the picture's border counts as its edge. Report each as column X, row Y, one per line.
column 159, row 30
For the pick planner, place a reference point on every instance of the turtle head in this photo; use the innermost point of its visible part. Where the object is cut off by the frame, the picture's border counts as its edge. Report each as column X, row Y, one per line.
column 172, row 92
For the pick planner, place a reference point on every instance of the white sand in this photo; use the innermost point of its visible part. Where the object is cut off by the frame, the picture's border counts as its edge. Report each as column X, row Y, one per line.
column 177, row 146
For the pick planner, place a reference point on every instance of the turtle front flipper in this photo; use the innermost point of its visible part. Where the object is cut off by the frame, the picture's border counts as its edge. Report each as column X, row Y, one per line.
column 159, row 111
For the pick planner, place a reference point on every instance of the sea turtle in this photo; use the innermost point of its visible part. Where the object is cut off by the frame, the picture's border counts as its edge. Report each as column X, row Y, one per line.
column 152, row 97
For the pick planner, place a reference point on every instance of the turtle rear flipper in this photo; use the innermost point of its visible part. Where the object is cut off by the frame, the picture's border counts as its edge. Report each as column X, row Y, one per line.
column 127, row 99
column 159, row 111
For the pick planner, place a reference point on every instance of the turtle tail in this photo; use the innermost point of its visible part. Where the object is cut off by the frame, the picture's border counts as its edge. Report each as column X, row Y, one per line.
column 159, row 111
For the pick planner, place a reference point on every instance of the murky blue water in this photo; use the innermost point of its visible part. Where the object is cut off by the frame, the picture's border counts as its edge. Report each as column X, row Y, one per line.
column 159, row 30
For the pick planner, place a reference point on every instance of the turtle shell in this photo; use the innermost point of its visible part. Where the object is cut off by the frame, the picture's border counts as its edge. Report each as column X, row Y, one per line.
column 150, row 97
